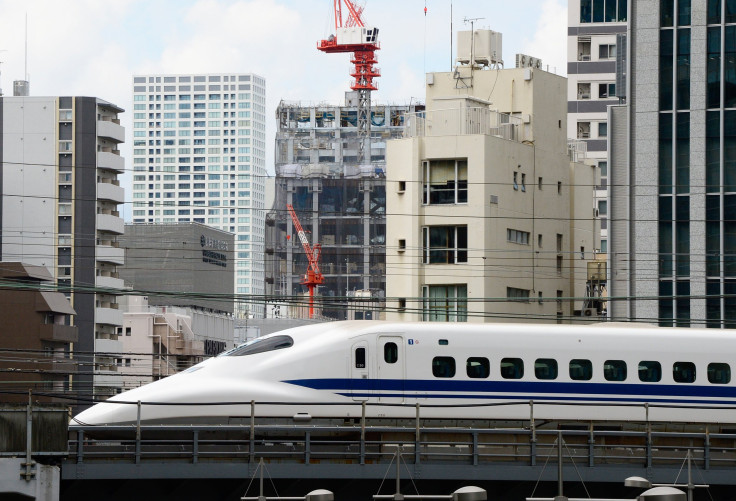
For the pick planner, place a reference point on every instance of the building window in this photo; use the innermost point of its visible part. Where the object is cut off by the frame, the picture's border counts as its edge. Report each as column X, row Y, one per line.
column 445, row 182
column 602, row 129
column 584, row 91
column 583, row 130
column 607, row 51
column 606, row 90
column 517, row 236
column 444, row 244
column 603, row 11
column 445, row 303
column 514, row 294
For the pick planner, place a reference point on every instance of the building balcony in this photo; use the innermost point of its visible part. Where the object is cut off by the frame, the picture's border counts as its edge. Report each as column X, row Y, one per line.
column 110, row 160
column 109, row 316
column 111, row 192
column 108, row 379
column 109, row 254
column 109, row 282
column 110, row 223
column 59, row 333
column 111, row 346
column 111, row 130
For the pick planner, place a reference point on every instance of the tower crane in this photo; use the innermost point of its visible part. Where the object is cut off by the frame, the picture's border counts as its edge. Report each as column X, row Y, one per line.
column 313, row 277
column 354, row 36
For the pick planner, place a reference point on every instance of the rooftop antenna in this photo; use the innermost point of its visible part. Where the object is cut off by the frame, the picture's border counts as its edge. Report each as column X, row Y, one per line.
column 22, row 87
column 25, row 63
column 1, row 74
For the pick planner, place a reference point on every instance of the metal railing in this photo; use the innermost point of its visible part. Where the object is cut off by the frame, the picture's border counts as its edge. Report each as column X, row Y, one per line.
column 464, row 121
column 376, row 444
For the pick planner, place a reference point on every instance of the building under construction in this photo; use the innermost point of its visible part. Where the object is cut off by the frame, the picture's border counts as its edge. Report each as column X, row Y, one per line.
column 341, row 203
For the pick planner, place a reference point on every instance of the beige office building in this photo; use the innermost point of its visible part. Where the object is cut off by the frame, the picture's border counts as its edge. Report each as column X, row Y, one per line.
column 490, row 216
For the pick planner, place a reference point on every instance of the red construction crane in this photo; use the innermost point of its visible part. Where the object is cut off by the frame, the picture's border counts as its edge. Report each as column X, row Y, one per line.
column 313, row 277
column 354, row 36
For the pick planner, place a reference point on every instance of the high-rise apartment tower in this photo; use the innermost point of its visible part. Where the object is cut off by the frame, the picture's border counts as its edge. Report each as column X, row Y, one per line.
column 60, row 162
column 199, row 156
column 593, row 29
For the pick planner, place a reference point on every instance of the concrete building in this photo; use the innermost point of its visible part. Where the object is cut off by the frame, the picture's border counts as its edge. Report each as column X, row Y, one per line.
column 488, row 217
column 60, row 162
column 184, row 273
column 37, row 333
column 187, row 264
column 672, row 173
column 160, row 341
column 341, row 204
column 200, row 156
column 593, row 29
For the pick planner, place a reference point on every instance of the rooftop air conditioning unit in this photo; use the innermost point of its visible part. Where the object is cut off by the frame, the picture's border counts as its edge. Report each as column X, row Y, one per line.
column 524, row 61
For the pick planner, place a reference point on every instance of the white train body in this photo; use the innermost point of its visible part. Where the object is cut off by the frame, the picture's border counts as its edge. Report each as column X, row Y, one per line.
column 328, row 370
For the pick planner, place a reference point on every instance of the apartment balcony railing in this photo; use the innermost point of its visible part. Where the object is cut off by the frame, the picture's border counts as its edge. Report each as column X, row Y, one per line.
column 464, row 121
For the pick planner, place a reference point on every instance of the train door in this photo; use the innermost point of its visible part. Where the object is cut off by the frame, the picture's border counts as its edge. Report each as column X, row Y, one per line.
column 390, row 357
column 359, row 375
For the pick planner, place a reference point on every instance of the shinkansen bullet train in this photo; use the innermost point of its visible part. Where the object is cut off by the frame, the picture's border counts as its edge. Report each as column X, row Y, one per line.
column 603, row 372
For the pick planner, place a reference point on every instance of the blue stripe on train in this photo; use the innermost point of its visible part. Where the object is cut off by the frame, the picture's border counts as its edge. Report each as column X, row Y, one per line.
column 543, row 398
column 587, row 390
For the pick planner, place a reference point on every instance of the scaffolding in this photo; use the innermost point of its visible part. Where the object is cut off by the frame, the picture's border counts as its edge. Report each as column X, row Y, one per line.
column 341, row 202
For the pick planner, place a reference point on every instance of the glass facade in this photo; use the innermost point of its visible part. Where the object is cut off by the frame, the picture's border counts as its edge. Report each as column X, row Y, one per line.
column 603, row 11
column 674, row 163
column 720, row 165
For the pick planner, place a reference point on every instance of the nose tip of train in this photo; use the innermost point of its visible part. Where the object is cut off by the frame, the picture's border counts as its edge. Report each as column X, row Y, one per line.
column 106, row 413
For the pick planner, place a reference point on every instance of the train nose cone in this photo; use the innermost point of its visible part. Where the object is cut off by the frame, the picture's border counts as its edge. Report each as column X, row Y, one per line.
column 106, row 413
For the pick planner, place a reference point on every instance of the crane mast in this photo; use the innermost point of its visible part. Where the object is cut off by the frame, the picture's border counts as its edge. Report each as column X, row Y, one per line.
column 354, row 36
column 313, row 277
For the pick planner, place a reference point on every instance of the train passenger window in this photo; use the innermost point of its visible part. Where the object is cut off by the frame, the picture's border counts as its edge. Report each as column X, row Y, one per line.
column 478, row 367
column 719, row 373
column 260, row 345
column 390, row 353
column 650, row 372
column 443, row 367
column 614, row 370
column 512, row 368
column 545, row 368
column 581, row 370
column 683, row 372
column 360, row 358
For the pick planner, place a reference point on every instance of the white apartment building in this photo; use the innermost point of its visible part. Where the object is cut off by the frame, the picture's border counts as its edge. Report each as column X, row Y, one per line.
column 200, row 156
column 59, row 201
column 159, row 341
column 593, row 27
column 488, row 217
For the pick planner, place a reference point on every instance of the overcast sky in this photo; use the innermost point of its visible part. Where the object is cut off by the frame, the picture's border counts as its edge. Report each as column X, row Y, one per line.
column 93, row 47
